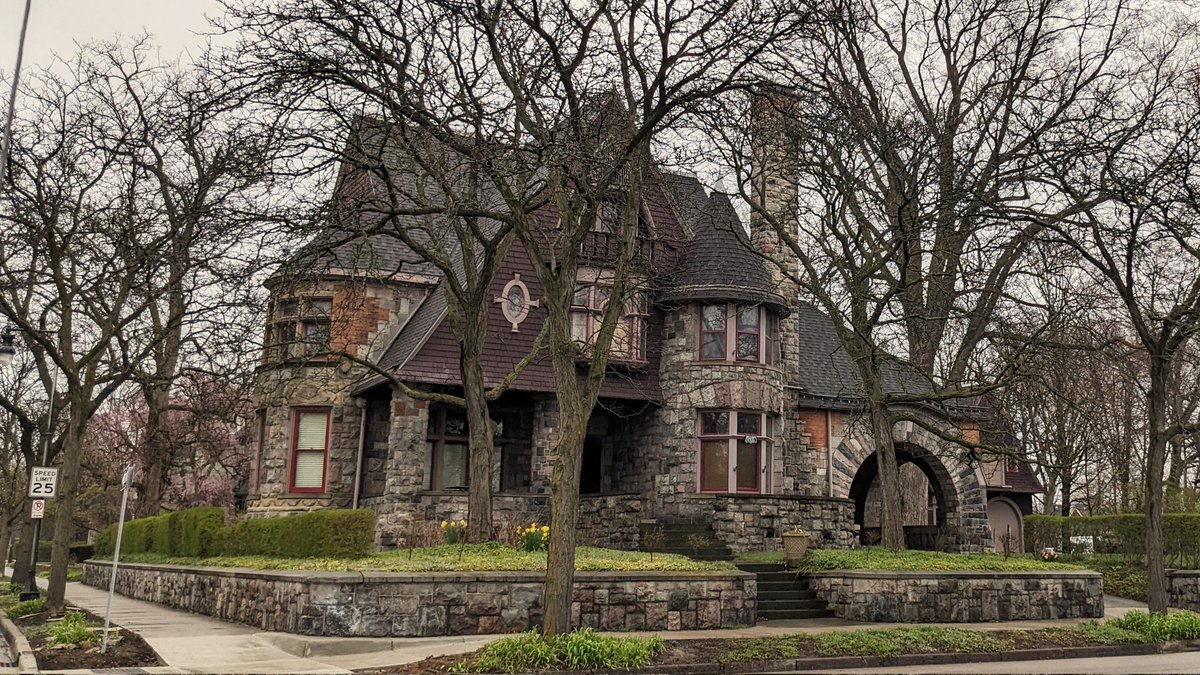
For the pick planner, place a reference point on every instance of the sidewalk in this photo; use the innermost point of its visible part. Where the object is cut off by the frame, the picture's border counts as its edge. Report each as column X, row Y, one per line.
column 191, row 643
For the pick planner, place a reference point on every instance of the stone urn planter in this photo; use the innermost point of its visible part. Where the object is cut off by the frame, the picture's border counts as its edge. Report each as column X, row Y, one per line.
column 795, row 545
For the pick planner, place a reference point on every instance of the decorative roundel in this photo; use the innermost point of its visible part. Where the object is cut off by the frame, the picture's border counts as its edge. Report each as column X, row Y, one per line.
column 515, row 302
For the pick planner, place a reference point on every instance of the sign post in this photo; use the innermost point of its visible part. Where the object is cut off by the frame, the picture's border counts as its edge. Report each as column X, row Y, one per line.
column 43, row 485
column 126, row 482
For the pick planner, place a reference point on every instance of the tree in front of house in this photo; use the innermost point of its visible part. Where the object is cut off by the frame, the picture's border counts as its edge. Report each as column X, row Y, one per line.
column 558, row 106
column 886, row 163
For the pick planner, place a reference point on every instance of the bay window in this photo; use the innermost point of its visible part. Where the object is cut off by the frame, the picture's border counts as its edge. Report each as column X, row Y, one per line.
column 300, row 328
column 310, row 448
column 732, row 332
column 735, row 451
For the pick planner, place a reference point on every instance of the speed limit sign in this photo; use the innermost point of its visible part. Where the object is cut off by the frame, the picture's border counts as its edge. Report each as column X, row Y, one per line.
column 39, row 508
column 42, row 482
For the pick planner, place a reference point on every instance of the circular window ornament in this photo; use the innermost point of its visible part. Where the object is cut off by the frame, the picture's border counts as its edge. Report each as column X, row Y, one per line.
column 514, row 301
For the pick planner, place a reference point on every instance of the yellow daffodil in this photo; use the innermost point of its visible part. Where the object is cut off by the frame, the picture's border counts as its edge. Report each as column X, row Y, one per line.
column 546, row 528
column 462, row 523
column 444, row 524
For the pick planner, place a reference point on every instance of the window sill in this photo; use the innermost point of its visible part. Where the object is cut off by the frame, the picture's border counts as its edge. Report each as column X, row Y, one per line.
column 741, row 364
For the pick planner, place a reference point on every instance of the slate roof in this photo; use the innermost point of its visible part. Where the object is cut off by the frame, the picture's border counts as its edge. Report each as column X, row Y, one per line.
column 717, row 263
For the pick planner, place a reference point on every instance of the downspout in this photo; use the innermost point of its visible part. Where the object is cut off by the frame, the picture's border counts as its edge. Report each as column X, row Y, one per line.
column 829, row 452
column 358, row 464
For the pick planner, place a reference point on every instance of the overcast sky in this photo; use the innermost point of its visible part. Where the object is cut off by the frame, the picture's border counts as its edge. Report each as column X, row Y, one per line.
column 56, row 25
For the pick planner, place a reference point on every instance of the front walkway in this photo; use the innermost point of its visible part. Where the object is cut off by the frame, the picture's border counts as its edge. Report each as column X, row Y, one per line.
column 191, row 643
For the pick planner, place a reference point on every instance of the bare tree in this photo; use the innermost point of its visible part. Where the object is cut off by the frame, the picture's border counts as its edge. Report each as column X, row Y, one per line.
column 891, row 171
column 1140, row 237
column 557, row 105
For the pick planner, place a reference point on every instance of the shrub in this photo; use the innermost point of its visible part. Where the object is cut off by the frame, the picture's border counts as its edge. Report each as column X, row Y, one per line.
column 27, row 608
column 181, row 533
column 1110, row 634
column 580, row 650
column 71, row 630
column 1124, row 534
column 319, row 534
column 1161, row 627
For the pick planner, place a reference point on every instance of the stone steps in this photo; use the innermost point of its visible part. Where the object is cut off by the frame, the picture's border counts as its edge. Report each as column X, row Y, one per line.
column 784, row 595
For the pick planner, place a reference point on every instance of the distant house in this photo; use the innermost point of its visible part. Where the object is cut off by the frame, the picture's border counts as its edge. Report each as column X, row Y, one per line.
column 729, row 409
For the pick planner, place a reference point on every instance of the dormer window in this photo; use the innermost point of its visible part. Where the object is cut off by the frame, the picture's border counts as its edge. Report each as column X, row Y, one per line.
column 300, row 328
column 733, row 332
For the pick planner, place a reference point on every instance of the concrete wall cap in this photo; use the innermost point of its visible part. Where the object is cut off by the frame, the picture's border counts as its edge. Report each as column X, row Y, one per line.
column 961, row 574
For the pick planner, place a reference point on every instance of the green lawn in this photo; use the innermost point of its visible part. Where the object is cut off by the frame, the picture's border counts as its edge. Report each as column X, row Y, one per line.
column 473, row 558
column 910, row 561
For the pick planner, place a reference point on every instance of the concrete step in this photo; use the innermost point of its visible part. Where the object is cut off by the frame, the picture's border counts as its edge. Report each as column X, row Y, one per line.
column 785, row 595
column 784, row 614
column 771, row 605
column 760, row 568
column 772, row 586
column 778, row 576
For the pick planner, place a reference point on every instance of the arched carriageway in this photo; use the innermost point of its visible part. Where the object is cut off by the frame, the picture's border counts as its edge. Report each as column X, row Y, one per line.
column 927, row 493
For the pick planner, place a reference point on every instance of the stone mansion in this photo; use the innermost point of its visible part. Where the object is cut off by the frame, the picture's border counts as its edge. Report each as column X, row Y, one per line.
column 729, row 404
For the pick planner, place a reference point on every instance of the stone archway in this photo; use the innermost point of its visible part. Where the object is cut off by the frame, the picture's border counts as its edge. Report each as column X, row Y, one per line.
column 935, row 497
column 960, row 498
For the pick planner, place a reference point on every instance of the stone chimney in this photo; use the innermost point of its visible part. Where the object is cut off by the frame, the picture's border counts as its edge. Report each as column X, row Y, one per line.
column 774, row 185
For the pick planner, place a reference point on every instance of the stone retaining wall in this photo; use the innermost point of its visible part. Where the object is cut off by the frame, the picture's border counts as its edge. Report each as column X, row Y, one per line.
column 960, row 597
column 406, row 605
column 1183, row 589
column 757, row 522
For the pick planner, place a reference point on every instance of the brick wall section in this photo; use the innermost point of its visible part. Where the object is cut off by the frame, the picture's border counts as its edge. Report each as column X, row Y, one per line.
column 409, row 605
column 1183, row 589
column 960, row 597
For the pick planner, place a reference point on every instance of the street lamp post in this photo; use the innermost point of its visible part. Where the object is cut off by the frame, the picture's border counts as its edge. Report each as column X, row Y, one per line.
column 7, row 352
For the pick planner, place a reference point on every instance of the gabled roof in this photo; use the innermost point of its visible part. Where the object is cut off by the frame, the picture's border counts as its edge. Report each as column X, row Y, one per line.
column 827, row 371
column 718, row 262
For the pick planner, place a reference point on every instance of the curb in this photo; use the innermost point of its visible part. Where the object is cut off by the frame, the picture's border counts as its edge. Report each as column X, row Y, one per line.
column 849, row 662
column 26, row 661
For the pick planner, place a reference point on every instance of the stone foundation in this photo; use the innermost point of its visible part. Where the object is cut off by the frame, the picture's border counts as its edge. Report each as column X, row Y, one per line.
column 757, row 522
column 408, row 605
column 1183, row 589
column 960, row 597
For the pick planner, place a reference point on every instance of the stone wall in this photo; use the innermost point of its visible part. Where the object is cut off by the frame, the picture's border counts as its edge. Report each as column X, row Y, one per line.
column 610, row 521
column 1183, row 589
column 406, row 605
column 757, row 522
column 960, row 597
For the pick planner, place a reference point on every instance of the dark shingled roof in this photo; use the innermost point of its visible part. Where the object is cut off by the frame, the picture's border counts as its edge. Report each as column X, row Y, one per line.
column 828, row 372
column 718, row 263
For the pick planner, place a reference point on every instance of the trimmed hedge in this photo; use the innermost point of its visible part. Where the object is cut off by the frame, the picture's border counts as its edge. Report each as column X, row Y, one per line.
column 319, row 534
column 201, row 532
column 1123, row 534
column 181, row 533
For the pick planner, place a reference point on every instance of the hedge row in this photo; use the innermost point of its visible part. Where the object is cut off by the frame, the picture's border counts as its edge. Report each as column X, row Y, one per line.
column 1124, row 534
column 202, row 533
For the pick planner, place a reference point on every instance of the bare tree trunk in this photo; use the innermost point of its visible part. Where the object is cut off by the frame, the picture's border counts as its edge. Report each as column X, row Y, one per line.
column 24, row 528
column 479, row 425
column 64, row 522
column 890, row 517
column 564, row 515
column 1156, row 402
column 1126, row 449
column 1174, row 486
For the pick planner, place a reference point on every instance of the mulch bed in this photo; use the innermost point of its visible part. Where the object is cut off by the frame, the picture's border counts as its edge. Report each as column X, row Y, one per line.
column 696, row 652
column 125, row 649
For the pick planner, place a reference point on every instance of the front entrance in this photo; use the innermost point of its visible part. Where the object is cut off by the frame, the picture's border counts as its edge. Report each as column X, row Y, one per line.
column 925, row 499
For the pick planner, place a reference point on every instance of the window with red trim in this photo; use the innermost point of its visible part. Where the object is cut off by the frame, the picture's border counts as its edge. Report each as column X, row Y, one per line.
column 734, row 452
column 629, row 335
column 732, row 332
column 310, row 449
